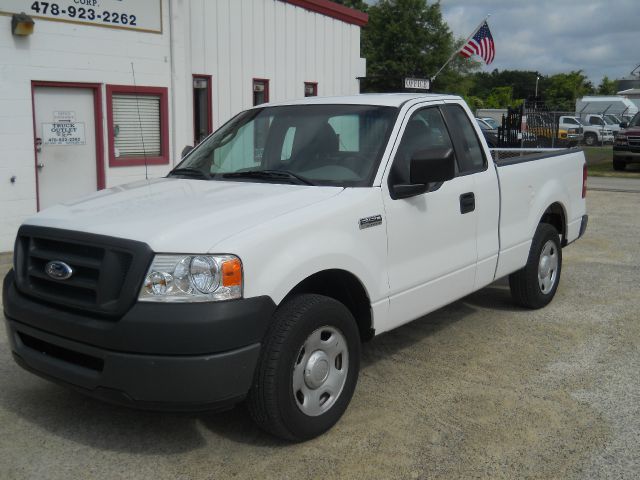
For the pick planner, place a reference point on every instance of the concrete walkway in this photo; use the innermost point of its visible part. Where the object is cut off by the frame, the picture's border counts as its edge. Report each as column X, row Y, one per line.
column 614, row 184
column 6, row 258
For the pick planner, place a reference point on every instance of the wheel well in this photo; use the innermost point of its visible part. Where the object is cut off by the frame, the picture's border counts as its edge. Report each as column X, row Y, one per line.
column 345, row 288
column 554, row 215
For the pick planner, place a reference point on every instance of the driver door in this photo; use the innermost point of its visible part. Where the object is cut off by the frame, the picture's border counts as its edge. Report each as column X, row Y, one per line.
column 431, row 237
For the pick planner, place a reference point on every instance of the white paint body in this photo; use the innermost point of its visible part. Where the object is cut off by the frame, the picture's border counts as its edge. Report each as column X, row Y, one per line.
column 425, row 254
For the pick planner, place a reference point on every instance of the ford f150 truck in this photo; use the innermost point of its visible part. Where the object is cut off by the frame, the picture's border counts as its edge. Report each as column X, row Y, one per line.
column 626, row 148
column 256, row 268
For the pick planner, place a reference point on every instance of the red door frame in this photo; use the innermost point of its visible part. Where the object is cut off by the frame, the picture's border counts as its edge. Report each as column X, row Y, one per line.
column 208, row 78
column 97, row 113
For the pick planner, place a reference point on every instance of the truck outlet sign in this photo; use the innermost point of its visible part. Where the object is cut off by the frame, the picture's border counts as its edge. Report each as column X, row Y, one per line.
column 63, row 133
column 143, row 15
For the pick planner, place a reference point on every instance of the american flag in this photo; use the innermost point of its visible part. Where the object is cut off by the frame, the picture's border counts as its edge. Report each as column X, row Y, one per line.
column 481, row 44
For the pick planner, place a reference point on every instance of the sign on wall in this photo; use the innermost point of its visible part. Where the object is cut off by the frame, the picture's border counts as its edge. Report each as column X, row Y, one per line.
column 143, row 15
column 63, row 133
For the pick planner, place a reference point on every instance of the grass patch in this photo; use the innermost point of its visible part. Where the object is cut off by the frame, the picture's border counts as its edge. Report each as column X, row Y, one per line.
column 600, row 163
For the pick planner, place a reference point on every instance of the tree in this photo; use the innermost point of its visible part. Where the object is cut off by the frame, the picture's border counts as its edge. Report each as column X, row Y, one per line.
column 561, row 90
column 357, row 4
column 607, row 87
column 408, row 38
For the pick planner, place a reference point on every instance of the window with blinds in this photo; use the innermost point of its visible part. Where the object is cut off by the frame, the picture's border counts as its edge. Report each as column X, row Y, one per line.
column 136, row 125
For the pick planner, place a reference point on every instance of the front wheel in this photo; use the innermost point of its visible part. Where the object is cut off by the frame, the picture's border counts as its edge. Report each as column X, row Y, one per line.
column 308, row 368
column 535, row 285
column 590, row 139
column 618, row 165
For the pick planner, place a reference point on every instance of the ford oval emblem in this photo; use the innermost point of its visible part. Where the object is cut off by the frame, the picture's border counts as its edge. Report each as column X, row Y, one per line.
column 58, row 270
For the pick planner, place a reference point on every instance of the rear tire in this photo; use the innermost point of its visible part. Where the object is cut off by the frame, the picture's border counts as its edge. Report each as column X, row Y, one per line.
column 535, row 285
column 308, row 368
column 619, row 165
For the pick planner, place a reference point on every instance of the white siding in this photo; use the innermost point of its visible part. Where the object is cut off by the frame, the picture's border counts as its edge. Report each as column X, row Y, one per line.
column 232, row 40
column 238, row 40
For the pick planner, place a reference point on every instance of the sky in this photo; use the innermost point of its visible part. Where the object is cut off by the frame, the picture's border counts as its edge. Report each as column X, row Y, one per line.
column 599, row 37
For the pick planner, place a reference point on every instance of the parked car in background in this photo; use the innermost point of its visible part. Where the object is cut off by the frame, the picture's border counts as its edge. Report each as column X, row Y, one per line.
column 613, row 118
column 490, row 134
column 591, row 135
column 491, row 121
column 602, row 121
column 626, row 148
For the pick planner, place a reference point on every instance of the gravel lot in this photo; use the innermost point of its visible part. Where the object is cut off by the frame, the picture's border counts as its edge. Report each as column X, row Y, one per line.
column 479, row 389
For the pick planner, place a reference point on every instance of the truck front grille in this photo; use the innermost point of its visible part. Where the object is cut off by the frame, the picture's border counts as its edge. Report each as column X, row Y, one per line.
column 633, row 141
column 106, row 271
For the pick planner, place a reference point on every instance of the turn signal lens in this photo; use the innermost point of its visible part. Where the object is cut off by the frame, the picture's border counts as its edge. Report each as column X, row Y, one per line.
column 584, row 180
column 232, row 273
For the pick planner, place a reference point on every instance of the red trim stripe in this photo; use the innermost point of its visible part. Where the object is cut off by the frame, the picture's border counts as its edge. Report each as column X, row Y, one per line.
column 333, row 10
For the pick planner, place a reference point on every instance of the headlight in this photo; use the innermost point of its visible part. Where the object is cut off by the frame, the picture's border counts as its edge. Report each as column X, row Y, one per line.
column 192, row 278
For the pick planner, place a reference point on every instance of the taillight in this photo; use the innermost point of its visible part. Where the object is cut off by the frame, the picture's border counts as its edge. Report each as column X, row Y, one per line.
column 584, row 180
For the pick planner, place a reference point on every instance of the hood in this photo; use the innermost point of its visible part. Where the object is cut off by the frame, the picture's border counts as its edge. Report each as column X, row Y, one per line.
column 631, row 131
column 180, row 215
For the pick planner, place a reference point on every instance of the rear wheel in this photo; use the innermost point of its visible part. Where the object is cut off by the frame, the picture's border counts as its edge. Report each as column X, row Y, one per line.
column 308, row 368
column 535, row 285
column 619, row 164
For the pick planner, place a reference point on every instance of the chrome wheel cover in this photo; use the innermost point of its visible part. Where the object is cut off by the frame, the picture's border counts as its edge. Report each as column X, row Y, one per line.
column 548, row 267
column 320, row 371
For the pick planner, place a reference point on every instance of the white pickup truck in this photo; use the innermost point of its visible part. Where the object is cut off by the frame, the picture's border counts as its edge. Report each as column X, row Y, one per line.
column 295, row 232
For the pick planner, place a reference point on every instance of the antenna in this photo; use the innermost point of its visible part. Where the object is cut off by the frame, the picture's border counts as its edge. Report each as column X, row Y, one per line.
column 144, row 149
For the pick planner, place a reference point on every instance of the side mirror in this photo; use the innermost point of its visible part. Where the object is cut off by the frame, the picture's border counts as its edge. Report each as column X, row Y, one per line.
column 433, row 165
column 186, row 150
column 624, row 124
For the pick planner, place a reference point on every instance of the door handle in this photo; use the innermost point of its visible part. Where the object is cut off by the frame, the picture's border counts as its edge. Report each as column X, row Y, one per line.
column 40, row 166
column 467, row 202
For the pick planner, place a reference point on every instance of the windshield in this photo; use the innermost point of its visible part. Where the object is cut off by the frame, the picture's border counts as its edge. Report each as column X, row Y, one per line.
column 635, row 121
column 609, row 121
column 492, row 123
column 337, row 145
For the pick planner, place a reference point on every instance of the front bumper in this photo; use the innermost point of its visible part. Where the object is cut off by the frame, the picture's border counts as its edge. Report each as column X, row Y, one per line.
column 629, row 154
column 157, row 356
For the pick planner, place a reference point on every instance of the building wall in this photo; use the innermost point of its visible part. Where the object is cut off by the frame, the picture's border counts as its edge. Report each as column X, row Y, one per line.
column 234, row 41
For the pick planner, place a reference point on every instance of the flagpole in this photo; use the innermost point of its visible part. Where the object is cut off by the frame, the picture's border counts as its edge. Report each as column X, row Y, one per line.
column 458, row 50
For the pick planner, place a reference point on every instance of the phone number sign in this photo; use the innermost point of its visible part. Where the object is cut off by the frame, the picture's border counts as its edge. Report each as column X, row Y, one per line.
column 143, row 15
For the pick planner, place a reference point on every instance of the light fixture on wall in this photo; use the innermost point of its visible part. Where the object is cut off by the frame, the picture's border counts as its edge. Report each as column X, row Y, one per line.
column 21, row 24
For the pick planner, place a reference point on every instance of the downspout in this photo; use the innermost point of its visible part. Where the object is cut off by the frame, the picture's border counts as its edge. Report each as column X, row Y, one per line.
column 172, row 84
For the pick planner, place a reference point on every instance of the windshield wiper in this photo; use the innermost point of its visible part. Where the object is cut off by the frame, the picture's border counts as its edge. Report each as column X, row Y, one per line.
column 270, row 174
column 190, row 172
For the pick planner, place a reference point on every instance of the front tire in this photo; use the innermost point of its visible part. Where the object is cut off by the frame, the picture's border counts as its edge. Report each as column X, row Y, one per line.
column 590, row 139
column 308, row 368
column 619, row 165
column 535, row 285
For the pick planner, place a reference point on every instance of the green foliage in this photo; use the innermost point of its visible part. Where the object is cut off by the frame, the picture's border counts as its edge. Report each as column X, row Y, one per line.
column 474, row 102
column 408, row 38
column 500, row 97
column 607, row 87
column 357, row 4
column 561, row 90
column 509, row 88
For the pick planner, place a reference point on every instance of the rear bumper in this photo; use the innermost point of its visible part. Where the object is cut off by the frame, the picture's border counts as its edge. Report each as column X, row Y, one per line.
column 167, row 372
